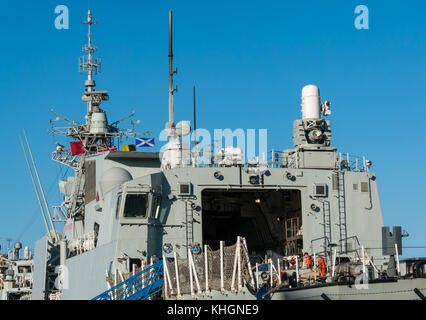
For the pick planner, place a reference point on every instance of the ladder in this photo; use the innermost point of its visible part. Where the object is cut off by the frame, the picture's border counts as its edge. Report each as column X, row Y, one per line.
column 189, row 226
column 327, row 224
column 342, row 212
column 141, row 286
column 77, row 183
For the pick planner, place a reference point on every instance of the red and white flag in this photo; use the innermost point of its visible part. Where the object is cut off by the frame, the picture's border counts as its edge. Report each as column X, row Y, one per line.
column 103, row 149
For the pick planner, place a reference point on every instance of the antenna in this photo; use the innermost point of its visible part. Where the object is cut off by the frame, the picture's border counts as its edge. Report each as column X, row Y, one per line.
column 35, row 188
column 41, row 187
column 8, row 242
column 89, row 62
column 171, row 72
column 195, row 125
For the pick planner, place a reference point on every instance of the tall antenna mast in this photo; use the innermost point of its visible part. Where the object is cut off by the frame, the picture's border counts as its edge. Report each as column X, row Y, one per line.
column 90, row 63
column 171, row 72
column 195, row 125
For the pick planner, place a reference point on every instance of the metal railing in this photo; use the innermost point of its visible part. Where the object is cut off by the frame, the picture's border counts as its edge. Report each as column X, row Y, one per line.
column 141, row 286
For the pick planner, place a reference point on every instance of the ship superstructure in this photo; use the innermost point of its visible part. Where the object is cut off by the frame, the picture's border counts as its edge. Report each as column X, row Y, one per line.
column 16, row 273
column 142, row 225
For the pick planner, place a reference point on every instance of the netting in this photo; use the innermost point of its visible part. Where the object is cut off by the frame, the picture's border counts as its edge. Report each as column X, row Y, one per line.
column 227, row 269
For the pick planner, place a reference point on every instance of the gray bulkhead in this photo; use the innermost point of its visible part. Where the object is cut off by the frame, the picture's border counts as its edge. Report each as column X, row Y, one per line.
column 87, row 271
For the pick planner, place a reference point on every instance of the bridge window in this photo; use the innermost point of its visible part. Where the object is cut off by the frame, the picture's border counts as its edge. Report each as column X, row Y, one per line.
column 135, row 206
column 117, row 211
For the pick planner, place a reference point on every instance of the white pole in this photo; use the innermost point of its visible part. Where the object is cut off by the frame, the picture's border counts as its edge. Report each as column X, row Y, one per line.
column 248, row 261
column 297, row 269
column 239, row 263
column 166, row 272
column 397, row 259
column 363, row 159
column 177, row 275
column 206, row 269
column 371, row 262
column 270, row 272
column 363, row 259
column 36, row 190
column 257, row 276
column 234, row 271
column 165, row 281
column 115, row 283
column 195, row 274
column 151, row 271
column 315, row 267
column 133, row 274
column 222, row 287
column 41, row 187
column 279, row 270
column 334, row 262
column 340, row 161
column 190, row 273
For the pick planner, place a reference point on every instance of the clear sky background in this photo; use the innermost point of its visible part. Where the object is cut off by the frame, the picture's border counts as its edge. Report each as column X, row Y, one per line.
column 249, row 61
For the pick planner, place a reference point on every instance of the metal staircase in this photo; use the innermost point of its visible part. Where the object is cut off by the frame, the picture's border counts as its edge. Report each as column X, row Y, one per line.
column 342, row 212
column 141, row 286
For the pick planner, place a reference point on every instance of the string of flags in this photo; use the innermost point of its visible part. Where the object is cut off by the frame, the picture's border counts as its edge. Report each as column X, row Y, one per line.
column 103, row 149
column 144, row 142
column 77, row 146
column 139, row 142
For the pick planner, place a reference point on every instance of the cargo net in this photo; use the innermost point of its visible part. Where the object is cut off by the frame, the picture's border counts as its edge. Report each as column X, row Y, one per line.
column 226, row 269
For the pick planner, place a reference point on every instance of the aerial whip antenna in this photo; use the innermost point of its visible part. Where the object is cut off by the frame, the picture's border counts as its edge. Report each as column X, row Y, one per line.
column 171, row 72
column 195, row 125
column 36, row 190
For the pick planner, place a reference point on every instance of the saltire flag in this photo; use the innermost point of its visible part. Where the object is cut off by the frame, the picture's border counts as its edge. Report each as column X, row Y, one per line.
column 103, row 149
column 128, row 147
column 144, row 142
column 76, row 148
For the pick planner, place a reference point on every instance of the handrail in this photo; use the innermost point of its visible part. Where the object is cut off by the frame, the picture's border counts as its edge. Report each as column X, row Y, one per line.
column 141, row 286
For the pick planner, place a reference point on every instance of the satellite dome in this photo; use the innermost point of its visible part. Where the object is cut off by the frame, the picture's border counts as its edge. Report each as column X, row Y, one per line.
column 113, row 178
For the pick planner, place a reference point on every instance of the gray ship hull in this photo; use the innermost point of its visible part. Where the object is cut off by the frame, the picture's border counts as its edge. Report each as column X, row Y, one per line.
column 401, row 290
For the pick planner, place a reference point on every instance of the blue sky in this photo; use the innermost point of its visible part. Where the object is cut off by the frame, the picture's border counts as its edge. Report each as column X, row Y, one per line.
column 249, row 61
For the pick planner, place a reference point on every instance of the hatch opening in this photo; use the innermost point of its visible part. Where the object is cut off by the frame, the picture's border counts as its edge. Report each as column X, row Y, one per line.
column 268, row 219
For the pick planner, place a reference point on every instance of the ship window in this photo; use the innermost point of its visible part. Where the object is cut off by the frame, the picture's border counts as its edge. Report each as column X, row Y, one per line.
column 364, row 187
column 22, row 269
column 135, row 206
column 155, row 208
column 117, row 211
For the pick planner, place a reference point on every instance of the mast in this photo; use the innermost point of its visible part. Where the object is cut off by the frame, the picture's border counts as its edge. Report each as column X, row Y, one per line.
column 171, row 72
column 89, row 62
column 195, row 125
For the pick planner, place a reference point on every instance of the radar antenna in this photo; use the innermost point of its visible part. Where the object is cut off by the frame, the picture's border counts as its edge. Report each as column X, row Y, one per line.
column 90, row 63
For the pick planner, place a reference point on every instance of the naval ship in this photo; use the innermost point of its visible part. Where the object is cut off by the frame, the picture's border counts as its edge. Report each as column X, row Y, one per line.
column 303, row 223
column 16, row 273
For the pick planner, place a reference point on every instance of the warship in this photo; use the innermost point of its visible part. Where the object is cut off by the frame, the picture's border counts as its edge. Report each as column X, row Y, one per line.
column 303, row 223
column 16, row 273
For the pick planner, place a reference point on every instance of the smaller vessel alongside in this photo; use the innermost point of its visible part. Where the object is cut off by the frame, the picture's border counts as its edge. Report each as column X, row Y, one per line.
column 16, row 274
